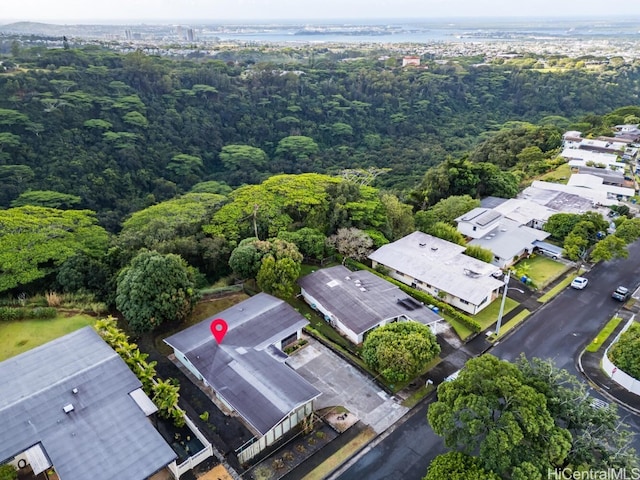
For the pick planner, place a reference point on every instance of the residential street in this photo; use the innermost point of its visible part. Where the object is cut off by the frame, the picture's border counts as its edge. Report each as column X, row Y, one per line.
column 559, row 330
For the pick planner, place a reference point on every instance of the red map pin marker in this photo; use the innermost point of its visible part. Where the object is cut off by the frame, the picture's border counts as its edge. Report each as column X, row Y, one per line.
column 219, row 329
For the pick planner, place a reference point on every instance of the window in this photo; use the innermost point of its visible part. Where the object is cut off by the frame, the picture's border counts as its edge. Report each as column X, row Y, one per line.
column 464, row 301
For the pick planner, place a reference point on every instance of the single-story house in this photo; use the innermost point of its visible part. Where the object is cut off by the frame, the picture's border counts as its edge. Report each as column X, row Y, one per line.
column 572, row 139
column 609, row 177
column 525, row 212
column 441, row 269
column 560, row 201
column 508, row 240
column 593, row 197
column 74, row 405
column 247, row 370
column 627, row 132
column 577, row 157
column 602, row 146
column 357, row 302
column 594, row 183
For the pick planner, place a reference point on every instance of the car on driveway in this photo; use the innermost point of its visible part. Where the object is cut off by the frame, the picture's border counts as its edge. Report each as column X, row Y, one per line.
column 621, row 294
column 579, row 283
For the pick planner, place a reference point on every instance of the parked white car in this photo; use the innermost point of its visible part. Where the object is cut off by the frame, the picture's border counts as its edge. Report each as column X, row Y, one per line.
column 579, row 283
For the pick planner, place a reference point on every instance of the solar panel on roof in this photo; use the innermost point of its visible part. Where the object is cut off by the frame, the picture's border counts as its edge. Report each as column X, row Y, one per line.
column 413, row 302
column 487, row 218
column 472, row 214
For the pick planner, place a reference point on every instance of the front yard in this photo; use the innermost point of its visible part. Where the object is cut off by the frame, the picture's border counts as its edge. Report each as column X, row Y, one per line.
column 542, row 270
column 489, row 315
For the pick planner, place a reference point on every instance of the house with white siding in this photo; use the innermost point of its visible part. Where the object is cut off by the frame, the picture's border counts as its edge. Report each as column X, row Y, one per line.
column 441, row 269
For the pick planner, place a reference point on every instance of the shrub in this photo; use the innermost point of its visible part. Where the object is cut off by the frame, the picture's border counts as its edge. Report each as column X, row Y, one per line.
column 53, row 299
column 10, row 314
column 204, row 416
column 7, row 472
column 43, row 313
column 287, row 456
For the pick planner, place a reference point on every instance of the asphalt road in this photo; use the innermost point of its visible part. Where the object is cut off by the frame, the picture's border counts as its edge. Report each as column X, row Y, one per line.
column 559, row 330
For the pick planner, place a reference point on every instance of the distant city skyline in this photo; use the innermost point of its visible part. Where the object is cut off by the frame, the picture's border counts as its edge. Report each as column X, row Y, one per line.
column 172, row 11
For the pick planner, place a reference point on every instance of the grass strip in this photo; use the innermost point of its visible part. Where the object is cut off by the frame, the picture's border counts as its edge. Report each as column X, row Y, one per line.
column 518, row 319
column 604, row 334
column 341, row 456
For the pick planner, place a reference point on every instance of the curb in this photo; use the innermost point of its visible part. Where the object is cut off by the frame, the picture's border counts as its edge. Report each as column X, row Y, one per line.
column 601, row 388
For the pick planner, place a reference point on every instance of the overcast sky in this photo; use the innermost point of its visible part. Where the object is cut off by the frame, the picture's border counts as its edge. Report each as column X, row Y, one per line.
column 106, row 11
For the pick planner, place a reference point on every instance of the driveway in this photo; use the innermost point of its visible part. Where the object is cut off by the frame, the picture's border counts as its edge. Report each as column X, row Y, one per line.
column 343, row 384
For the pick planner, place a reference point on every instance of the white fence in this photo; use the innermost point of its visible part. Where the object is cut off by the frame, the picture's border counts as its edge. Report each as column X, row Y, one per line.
column 617, row 375
column 196, row 458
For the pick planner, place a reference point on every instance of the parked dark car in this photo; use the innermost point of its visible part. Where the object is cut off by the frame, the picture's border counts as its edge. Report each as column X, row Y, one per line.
column 621, row 294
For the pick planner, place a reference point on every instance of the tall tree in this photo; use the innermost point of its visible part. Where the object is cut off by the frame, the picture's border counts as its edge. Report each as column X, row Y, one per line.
column 35, row 241
column 351, row 243
column 155, row 289
column 491, row 411
column 400, row 350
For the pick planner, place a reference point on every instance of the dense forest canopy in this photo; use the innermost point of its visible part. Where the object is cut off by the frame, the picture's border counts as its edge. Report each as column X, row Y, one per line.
column 114, row 133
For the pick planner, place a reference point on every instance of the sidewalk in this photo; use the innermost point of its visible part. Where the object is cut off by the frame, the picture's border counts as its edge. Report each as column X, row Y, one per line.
column 589, row 364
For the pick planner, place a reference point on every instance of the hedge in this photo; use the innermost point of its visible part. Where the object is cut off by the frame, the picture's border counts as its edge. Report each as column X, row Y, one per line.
column 424, row 297
column 8, row 314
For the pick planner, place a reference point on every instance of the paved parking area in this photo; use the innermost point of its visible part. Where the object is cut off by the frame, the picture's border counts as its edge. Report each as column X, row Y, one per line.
column 343, row 384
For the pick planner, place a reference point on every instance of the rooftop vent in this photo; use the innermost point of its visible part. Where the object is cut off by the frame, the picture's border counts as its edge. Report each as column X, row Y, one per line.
column 68, row 408
column 75, row 390
column 422, row 245
column 433, row 249
column 362, row 289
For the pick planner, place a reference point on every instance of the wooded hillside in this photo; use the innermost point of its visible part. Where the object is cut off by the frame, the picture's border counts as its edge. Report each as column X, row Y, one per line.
column 114, row 133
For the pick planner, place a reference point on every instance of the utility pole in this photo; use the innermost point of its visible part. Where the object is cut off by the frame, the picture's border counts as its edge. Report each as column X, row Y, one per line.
column 504, row 299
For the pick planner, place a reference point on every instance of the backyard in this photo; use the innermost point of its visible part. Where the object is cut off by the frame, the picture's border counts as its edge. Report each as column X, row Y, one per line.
column 21, row 335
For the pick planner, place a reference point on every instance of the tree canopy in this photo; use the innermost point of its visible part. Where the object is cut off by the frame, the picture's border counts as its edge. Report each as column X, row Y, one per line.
column 400, row 350
column 34, row 241
column 155, row 289
column 625, row 353
column 518, row 420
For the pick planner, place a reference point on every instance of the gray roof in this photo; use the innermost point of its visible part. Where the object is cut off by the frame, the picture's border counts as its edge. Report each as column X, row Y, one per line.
column 510, row 239
column 340, row 291
column 106, row 436
column 243, row 369
column 492, row 202
column 441, row 264
column 549, row 246
column 609, row 176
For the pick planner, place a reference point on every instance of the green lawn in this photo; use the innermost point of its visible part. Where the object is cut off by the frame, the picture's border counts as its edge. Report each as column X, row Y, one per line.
column 559, row 175
column 518, row 319
column 22, row 335
column 489, row 315
column 543, row 270
column 604, row 334
column 461, row 330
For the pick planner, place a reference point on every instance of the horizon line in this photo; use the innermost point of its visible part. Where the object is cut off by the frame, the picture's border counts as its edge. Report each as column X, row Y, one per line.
column 257, row 21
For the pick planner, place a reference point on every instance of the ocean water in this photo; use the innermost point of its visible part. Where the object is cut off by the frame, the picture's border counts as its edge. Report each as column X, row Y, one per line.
column 452, row 30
